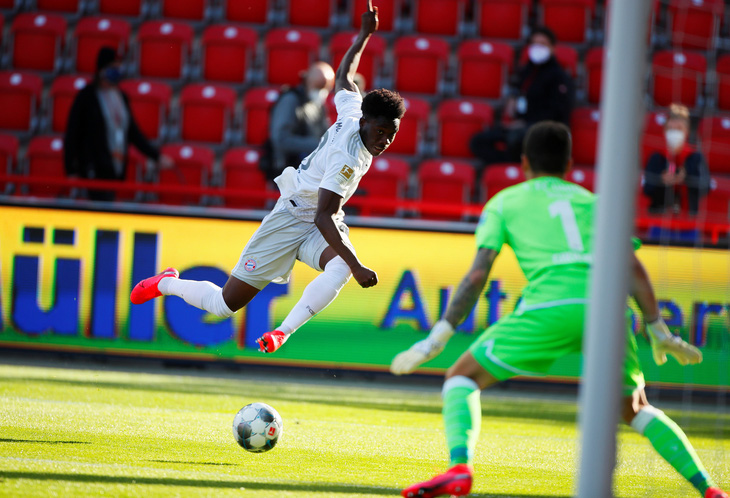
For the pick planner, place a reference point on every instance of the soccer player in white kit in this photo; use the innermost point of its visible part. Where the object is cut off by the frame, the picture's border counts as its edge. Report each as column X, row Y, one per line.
column 307, row 221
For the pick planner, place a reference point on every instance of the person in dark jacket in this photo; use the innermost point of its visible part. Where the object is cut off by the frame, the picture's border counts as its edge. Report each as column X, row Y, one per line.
column 541, row 90
column 101, row 127
column 299, row 119
column 678, row 170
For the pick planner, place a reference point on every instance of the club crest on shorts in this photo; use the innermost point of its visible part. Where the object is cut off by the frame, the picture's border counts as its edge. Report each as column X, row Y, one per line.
column 249, row 265
column 345, row 174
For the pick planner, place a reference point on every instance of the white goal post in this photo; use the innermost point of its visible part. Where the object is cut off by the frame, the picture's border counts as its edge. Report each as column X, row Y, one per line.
column 622, row 112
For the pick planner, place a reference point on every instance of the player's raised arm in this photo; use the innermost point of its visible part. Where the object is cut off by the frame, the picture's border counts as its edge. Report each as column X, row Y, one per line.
column 663, row 342
column 459, row 307
column 344, row 78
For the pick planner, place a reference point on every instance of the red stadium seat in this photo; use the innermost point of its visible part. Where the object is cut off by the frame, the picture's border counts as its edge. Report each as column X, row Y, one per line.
column 257, row 104
column 412, row 127
column 63, row 92
column 447, row 182
column 566, row 55
column 438, row 17
column 483, row 68
column 319, row 14
column 206, row 112
column 717, row 201
column 247, row 11
column 723, row 82
column 128, row 8
column 498, row 177
column 695, row 24
column 227, row 53
column 288, row 53
column 570, row 20
column 45, row 33
column 8, row 159
column 652, row 140
column 93, row 33
column 193, row 165
column 585, row 177
column 241, row 171
column 594, row 74
column 68, row 6
column 678, row 77
column 44, row 158
column 371, row 61
column 164, row 49
column 459, row 120
column 584, row 128
column 420, row 63
column 388, row 13
column 387, row 179
column 191, row 10
column 714, row 133
column 150, row 103
column 20, row 95
column 502, row 18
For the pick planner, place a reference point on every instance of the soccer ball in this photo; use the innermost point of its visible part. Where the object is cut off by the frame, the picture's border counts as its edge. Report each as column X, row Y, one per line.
column 257, row 427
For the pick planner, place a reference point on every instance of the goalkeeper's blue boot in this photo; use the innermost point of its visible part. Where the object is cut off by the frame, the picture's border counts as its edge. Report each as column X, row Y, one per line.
column 715, row 493
column 454, row 482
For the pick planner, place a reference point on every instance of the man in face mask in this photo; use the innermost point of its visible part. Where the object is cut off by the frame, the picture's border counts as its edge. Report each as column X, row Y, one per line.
column 101, row 127
column 299, row 119
column 679, row 170
column 540, row 91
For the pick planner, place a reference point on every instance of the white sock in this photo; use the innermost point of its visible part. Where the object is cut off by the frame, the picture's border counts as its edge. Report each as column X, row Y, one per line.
column 318, row 294
column 203, row 295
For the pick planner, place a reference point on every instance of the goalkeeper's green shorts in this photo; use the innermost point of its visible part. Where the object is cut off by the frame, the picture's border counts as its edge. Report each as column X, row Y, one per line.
column 528, row 343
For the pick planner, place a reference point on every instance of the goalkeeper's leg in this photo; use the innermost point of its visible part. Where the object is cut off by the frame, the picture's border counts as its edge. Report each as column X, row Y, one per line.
column 669, row 441
column 462, row 415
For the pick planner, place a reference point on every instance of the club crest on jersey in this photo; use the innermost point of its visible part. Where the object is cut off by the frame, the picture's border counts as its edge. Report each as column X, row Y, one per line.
column 249, row 265
column 345, row 174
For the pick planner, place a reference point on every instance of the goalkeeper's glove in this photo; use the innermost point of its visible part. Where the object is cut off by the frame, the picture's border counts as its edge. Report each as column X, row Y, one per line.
column 663, row 342
column 424, row 350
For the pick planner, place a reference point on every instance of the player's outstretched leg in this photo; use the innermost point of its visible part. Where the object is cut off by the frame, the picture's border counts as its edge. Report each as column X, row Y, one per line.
column 672, row 444
column 148, row 288
column 462, row 413
column 203, row 295
column 316, row 296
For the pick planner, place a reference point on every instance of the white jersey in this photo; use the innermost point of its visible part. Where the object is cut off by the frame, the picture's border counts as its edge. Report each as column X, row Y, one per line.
column 337, row 164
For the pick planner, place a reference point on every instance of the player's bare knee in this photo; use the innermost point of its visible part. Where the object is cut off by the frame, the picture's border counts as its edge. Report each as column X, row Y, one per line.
column 632, row 405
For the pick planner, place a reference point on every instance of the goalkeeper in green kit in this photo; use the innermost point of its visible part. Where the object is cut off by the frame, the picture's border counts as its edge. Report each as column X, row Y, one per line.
column 547, row 221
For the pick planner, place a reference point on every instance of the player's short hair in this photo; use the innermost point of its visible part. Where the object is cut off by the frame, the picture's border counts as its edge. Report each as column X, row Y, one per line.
column 545, row 31
column 383, row 103
column 547, row 147
column 679, row 111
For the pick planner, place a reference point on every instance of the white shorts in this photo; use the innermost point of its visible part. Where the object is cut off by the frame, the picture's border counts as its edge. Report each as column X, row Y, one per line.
column 281, row 239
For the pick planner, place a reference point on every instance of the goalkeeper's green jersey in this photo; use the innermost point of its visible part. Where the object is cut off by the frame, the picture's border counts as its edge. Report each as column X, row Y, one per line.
column 548, row 223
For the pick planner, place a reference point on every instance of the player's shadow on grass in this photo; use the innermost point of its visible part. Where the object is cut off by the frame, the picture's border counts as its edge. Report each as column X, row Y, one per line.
column 39, row 441
column 344, row 489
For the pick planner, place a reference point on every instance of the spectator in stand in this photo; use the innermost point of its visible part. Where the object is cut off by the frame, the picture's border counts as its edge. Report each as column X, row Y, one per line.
column 677, row 171
column 298, row 120
column 100, row 128
column 540, row 90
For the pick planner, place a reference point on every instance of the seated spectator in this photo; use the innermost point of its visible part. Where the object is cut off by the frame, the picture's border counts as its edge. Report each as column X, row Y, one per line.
column 101, row 127
column 298, row 120
column 541, row 90
column 679, row 170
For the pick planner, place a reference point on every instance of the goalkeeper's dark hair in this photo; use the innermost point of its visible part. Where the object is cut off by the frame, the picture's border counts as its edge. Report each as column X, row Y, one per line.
column 547, row 147
column 383, row 103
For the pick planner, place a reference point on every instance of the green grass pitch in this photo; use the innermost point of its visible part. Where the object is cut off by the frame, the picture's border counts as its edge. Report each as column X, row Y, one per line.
column 84, row 432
